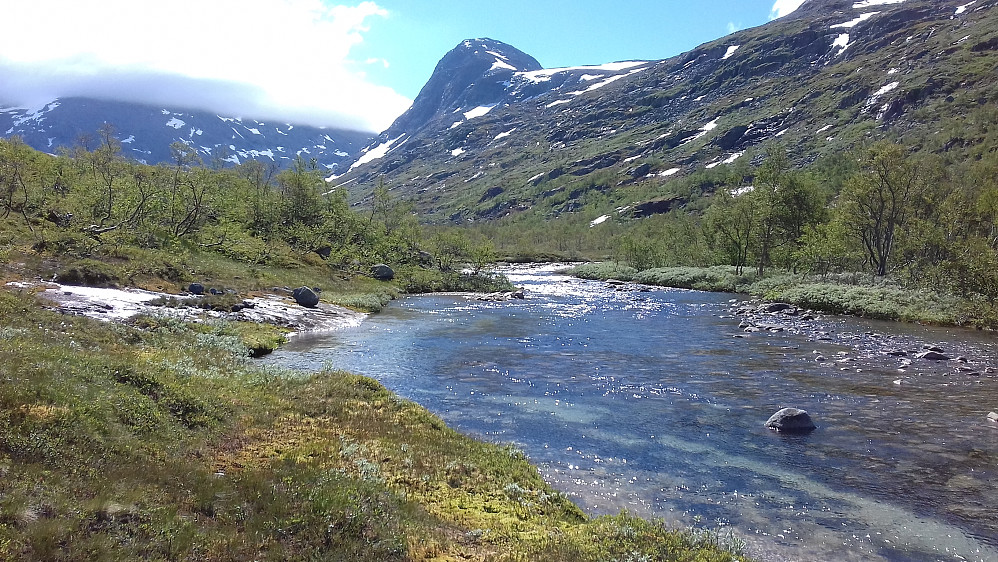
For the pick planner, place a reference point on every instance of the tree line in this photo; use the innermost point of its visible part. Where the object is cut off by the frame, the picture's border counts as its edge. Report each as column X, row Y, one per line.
column 93, row 201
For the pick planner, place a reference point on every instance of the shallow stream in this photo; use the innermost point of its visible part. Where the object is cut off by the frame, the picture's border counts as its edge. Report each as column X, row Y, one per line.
column 654, row 401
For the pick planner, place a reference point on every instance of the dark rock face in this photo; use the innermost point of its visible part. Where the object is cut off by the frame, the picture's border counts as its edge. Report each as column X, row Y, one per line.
column 791, row 420
column 382, row 272
column 472, row 74
column 305, row 297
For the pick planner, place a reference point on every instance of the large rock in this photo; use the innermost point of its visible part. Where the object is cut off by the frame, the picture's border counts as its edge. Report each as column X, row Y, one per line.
column 382, row 272
column 933, row 356
column 791, row 420
column 993, row 416
column 196, row 289
column 305, row 297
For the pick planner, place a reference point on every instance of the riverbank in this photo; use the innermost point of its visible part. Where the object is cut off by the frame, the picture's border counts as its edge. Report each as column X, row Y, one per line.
column 855, row 295
column 159, row 438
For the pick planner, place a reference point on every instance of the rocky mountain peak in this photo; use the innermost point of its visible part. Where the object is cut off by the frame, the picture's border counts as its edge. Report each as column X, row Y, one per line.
column 473, row 74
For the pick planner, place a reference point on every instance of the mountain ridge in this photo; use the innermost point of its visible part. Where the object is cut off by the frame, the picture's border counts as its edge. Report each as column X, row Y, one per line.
column 827, row 78
column 147, row 131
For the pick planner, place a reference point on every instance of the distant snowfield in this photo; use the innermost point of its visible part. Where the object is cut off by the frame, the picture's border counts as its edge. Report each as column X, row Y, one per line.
column 731, row 51
column 963, row 8
column 855, row 22
column 479, row 111
column 870, row 3
column 544, row 75
column 377, row 152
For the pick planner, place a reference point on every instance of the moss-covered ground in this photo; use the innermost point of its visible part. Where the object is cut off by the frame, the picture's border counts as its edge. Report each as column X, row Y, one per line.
column 162, row 440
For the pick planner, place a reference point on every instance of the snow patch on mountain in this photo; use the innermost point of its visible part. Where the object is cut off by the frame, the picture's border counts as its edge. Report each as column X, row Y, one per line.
column 854, row 22
column 730, row 52
column 479, row 111
column 377, row 152
column 869, row 3
column 962, row 9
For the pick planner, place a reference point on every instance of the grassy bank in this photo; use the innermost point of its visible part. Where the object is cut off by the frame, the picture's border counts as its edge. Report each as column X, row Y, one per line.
column 858, row 295
column 162, row 440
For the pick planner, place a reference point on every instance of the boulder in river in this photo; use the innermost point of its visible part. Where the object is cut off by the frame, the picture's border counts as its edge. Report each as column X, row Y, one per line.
column 791, row 420
column 933, row 356
column 776, row 307
column 382, row 272
column 993, row 416
column 305, row 297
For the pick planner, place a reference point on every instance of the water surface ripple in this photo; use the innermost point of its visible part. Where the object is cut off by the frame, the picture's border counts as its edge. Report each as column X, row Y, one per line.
column 654, row 402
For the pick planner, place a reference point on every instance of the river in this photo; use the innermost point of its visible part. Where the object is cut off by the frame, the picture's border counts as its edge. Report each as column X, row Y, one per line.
column 654, row 401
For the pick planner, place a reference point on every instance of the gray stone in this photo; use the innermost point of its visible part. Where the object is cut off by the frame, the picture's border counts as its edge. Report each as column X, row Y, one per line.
column 993, row 416
column 933, row 356
column 196, row 289
column 305, row 297
column 382, row 272
column 776, row 307
column 791, row 420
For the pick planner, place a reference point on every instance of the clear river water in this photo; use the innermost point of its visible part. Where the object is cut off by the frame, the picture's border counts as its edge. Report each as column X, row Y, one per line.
column 653, row 401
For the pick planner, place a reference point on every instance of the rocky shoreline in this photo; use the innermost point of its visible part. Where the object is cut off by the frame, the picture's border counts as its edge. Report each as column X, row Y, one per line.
column 123, row 304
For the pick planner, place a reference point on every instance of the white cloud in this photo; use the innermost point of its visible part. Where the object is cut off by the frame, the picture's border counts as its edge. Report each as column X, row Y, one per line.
column 784, row 7
column 275, row 59
column 733, row 27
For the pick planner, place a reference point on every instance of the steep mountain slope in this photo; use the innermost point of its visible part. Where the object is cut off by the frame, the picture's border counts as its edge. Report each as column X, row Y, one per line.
column 146, row 133
column 832, row 75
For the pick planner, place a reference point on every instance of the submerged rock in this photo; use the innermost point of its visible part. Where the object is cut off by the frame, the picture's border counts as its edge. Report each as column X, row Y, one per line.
column 791, row 420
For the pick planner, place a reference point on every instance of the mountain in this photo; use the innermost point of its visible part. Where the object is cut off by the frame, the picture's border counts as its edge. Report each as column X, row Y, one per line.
column 146, row 133
column 493, row 135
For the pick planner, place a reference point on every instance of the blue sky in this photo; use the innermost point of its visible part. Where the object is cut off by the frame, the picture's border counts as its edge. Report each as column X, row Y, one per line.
column 349, row 64
column 415, row 33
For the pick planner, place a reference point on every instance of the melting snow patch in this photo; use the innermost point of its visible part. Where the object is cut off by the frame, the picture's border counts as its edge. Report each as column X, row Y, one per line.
column 842, row 42
column 479, row 111
column 535, row 178
column 888, row 88
column 599, row 85
column 175, row 123
column 733, row 157
column 731, row 51
column 505, row 134
column 783, row 132
column 502, row 65
column 669, row 172
column 456, row 124
column 546, row 74
column 254, row 131
column 377, row 152
column 742, row 190
column 893, row 71
column 855, row 22
column 557, row 102
column 599, row 220
column 963, row 8
column 457, row 151
column 823, row 129
column 868, row 3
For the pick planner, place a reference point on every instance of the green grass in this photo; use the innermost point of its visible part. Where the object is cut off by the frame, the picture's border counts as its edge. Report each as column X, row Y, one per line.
column 855, row 294
column 162, row 440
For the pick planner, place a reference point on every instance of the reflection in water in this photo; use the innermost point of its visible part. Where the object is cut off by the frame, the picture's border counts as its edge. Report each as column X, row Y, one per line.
column 644, row 401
